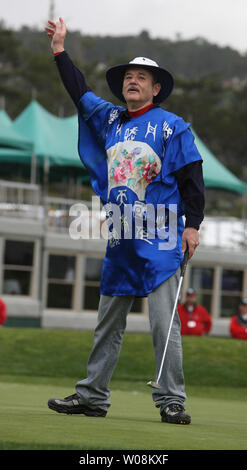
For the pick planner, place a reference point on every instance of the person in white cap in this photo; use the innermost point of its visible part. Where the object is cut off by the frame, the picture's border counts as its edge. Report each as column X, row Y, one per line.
column 195, row 319
column 238, row 323
column 140, row 158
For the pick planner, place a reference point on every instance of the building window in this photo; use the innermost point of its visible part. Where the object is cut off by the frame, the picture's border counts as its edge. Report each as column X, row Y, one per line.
column 61, row 281
column 18, row 267
column 201, row 279
column 137, row 306
column 231, row 291
column 93, row 270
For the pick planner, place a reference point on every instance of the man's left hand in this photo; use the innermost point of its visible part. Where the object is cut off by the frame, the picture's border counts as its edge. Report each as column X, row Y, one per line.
column 190, row 238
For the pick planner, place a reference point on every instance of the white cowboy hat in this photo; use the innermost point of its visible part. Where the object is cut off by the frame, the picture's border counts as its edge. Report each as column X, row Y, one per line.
column 115, row 76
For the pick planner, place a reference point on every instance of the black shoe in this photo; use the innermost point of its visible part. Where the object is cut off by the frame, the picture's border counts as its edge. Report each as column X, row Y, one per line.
column 73, row 405
column 175, row 414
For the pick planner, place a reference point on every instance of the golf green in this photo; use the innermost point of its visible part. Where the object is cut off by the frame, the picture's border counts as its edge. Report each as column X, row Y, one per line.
column 131, row 423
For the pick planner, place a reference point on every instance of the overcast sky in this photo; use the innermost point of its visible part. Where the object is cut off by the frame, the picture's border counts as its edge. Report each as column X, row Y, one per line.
column 219, row 21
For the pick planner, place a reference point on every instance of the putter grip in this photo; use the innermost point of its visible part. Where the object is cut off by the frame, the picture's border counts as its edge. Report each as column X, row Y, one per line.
column 185, row 262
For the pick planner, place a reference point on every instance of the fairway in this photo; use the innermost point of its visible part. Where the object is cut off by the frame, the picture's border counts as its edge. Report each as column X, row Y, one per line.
column 38, row 364
column 131, row 423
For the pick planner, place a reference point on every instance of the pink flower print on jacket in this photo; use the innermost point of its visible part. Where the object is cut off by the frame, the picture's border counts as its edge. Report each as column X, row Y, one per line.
column 123, row 170
column 135, row 168
column 151, row 170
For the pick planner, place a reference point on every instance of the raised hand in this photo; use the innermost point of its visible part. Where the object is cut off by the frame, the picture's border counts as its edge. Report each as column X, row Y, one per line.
column 57, row 32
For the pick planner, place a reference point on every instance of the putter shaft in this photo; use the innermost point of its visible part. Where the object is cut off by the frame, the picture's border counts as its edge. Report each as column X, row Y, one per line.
column 155, row 384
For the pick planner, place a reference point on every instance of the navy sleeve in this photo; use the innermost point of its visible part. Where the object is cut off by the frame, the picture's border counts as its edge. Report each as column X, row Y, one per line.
column 72, row 78
column 192, row 190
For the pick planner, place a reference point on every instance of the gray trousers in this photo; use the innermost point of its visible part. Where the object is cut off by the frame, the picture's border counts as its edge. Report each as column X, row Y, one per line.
column 108, row 335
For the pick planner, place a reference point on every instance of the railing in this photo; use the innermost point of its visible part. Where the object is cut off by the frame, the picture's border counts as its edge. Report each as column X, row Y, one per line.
column 224, row 232
column 57, row 212
column 20, row 200
column 23, row 200
column 19, row 193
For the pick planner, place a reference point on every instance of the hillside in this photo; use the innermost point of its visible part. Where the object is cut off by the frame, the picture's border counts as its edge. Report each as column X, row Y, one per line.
column 190, row 59
column 210, row 81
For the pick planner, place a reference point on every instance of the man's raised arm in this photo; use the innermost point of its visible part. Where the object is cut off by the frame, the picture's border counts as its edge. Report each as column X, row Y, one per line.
column 72, row 78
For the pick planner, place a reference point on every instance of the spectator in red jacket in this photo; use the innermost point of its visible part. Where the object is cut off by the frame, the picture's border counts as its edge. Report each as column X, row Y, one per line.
column 195, row 319
column 238, row 323
column 3, row 312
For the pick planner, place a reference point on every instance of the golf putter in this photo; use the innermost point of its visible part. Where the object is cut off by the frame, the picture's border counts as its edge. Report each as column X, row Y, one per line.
column 155, row 384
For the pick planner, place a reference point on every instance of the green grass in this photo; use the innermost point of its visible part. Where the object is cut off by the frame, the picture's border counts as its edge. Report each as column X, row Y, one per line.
column 132, row 423
column 219, row 362
column 37, row 364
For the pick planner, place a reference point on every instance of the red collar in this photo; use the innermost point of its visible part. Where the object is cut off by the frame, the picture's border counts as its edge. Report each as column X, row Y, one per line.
column 140, row 111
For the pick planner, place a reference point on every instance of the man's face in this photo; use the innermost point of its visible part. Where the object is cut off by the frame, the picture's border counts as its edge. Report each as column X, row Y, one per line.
column 190, row 299
column 243, row 309
column 139, row 88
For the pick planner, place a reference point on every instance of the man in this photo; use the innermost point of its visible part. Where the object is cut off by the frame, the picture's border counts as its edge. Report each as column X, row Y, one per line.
column 139, row 158
column 238, row 324
column 195, row 319
column 3, row 312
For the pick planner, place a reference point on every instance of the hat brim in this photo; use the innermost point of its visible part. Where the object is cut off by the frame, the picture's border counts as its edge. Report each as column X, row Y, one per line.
column 115, row 76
